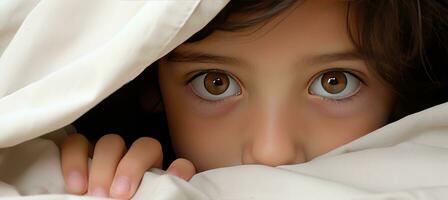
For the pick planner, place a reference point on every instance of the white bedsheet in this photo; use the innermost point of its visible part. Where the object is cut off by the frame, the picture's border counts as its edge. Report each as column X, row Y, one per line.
column 61, row 57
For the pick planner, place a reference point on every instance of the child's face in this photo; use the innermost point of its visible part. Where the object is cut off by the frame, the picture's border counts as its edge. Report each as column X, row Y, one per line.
column 264, row 100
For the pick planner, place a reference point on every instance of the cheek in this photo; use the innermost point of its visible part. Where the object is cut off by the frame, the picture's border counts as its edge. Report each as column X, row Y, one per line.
column 206, row 140
column 207, row 143
column 330, row 133
column 333, row 125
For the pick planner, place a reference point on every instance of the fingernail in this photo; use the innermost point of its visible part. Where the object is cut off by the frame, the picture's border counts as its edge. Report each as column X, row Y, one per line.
column 76, row 182
column 121, row 186
column 172, row 170
column 99, row 192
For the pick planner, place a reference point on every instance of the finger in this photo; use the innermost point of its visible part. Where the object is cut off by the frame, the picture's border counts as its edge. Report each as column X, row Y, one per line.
column 107, row 154
column 182, row 168
column 143, row 154
column 74, row 155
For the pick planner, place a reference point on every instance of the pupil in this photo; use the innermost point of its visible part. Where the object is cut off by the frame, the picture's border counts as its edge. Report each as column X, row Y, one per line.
column 333, row 81
column 217, row 82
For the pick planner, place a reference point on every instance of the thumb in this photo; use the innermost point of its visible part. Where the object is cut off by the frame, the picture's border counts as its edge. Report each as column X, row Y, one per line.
column 182, row 168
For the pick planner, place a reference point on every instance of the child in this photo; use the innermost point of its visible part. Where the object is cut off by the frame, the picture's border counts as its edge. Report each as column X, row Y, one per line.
column 277, row 83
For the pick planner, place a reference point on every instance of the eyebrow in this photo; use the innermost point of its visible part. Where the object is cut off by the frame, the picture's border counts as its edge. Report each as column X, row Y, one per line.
column 332, row 57
column 199, row 57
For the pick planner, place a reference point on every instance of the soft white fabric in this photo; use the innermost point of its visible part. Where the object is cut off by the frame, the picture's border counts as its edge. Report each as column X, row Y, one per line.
column 61, row 57
column 406, row 160
column 68, row 55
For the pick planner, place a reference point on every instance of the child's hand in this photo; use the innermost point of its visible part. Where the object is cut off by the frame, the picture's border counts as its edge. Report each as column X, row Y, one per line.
column 114, row 172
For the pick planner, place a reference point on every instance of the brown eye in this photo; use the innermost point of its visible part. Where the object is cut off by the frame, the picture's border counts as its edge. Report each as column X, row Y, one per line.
column 216, row 83
column 335, row 85
column 334, row 82
column 215, row 86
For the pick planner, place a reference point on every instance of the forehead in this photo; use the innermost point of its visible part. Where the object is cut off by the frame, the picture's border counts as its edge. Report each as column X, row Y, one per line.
column 312, row 27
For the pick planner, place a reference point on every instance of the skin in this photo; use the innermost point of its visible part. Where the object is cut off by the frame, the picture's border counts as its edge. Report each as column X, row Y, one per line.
column 113, row 164
column 275, row 118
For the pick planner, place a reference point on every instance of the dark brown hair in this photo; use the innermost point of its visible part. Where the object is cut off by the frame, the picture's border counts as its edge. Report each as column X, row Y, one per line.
column 405, row 43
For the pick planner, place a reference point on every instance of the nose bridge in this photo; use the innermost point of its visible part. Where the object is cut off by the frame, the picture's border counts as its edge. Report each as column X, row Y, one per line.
column 271, row 140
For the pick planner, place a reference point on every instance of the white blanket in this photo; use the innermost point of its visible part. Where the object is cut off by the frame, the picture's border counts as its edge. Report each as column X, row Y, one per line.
column 61, row 57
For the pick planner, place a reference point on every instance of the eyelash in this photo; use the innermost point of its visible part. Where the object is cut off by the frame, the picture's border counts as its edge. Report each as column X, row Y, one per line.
column 335, row 101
